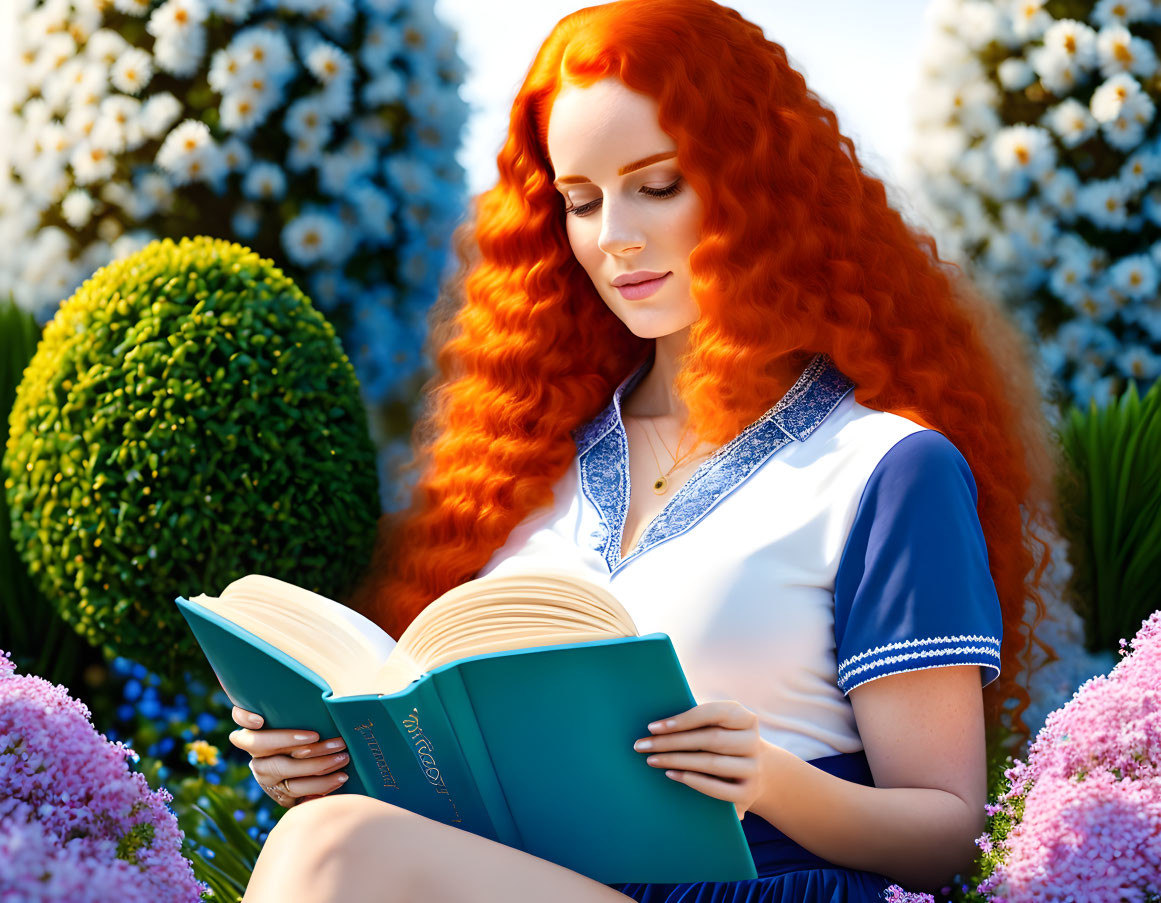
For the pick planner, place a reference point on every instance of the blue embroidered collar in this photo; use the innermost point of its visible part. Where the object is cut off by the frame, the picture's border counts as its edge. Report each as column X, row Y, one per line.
column 603, row 452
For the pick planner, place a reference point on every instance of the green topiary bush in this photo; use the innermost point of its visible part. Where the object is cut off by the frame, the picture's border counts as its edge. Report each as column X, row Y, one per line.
column 189, row 417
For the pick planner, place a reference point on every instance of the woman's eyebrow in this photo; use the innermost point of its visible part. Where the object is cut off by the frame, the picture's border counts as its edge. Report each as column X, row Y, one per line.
column 624, row 170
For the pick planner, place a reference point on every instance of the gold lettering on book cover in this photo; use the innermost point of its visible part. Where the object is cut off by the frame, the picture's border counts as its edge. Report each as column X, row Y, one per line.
column 376, row 751
column 426, row 755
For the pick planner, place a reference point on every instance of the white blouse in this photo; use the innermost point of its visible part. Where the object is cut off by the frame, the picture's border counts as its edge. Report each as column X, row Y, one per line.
column 827, row 545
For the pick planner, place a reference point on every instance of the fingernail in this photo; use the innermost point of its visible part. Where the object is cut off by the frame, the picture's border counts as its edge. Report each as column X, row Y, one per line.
column 254, row 721
column 334, row 744
column 299, row 753
column 305, row 738
column 341, row 776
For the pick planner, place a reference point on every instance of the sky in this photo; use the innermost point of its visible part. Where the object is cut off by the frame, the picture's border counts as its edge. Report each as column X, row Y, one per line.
column 860, row 58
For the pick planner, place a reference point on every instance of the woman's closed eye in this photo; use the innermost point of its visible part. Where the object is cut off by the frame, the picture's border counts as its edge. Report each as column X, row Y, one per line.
column 667, row 192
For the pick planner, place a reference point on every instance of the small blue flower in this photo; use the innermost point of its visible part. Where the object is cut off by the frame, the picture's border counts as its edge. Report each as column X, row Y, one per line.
column 139, row 670
column 125, row 712
column 253, row 831
column 213, row 777
column 206, row 722
column 132, row 690
column 239, row 815
column 165, row 744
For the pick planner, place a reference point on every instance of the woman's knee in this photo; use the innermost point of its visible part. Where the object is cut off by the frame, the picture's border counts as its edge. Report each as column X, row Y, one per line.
column 335, row 829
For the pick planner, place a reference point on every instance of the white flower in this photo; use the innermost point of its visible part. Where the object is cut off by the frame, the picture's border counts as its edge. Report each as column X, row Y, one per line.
column 228, row 70
column 176, row 19
column 118, row 125
column 1015, row 74
column 1067, row 280
column 265, row 49
column 235, row 155
column 1103, row 202
column 159, row 113
column 1128, row 129
column 328, row 288
column 306, row 120
column 1073, row 40
column 1119, row 51
column 132, row 71
column 1141, row 169
column 77, row 208
column 1119, row 12
column 1138, row 363
column 1089, row 387
column 311, row 237
column 133, row 7
column 380, row 43
column 1134, row 276
column 242, row 111
column 1061, row 192
column 328, row 63
column 79, row 122
column 1029, row 19
column 1072, row 121
column 335, row 15
column 91, row 164
column 106, row 46
column 189, row 154
column 1110, row 98
column 1024, row 149
column 265, row 181
column 1059, row 72
column 181, row 54
column 305, row 153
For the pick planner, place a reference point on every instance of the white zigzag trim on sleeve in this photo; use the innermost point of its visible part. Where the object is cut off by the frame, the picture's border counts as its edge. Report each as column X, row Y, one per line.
column 871, row 677
column 878, row 658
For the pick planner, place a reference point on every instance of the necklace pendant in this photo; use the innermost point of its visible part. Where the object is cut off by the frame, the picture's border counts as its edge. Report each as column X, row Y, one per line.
column 660, row 485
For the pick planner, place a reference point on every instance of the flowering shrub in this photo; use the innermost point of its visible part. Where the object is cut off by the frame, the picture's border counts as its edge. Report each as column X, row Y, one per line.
column 1040, row 163
column 76, row 824
column 1082, row 818
column 321, row 133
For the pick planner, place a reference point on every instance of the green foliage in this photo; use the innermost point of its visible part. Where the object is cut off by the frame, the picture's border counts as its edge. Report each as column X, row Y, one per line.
column 189, row 417
column 39, row 641
column 1110, row 496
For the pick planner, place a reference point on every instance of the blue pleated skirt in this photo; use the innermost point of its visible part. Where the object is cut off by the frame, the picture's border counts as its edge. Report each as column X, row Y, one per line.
column 787, row 873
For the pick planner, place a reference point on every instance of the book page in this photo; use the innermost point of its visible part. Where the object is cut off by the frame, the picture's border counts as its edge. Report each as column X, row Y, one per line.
column 338, row 644
column 542, row 607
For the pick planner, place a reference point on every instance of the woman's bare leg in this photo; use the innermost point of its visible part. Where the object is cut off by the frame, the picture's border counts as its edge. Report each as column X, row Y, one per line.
column 360, row 850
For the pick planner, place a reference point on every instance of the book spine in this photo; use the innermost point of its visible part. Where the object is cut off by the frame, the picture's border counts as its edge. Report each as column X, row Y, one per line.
column 461, row 715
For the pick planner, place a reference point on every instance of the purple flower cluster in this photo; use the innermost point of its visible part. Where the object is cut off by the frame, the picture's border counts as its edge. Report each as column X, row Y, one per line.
column 1085, row 810
column 76, row 824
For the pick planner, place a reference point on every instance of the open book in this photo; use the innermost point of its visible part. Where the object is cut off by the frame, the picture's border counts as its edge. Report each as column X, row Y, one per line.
column 507, row 708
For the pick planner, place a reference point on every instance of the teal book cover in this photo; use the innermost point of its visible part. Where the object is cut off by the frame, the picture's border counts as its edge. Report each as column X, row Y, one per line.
column 531, row 747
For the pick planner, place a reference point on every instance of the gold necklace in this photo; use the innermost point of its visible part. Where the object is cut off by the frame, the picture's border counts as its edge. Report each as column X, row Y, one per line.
column 661, row 484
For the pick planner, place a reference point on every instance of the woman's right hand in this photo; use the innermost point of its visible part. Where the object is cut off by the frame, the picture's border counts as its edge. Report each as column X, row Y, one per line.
column 291, row 766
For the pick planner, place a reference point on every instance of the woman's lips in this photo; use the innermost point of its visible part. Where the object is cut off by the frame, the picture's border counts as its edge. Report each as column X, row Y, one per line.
column 639, row 290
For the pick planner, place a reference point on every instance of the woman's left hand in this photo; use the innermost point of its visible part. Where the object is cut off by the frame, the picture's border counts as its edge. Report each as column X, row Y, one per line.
column 715, row 748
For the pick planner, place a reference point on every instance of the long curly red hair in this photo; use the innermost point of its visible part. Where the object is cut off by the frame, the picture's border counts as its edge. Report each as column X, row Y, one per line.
column 800, row 252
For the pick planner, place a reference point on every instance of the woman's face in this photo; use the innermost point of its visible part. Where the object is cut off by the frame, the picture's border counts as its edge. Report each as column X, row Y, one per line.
column 629, row 211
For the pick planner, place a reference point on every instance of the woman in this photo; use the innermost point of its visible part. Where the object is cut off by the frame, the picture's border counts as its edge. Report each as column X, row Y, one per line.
column 695, row 354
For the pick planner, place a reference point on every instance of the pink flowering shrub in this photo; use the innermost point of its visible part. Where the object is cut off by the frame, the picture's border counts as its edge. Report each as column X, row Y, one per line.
column 1081, row 820
column 76, row 824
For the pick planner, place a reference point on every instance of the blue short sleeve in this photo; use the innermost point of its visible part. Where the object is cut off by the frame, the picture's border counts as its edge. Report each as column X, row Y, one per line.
column 913, row 589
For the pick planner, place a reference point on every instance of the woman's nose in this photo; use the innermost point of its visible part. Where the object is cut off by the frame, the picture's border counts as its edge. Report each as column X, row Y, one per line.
column 619, row 231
